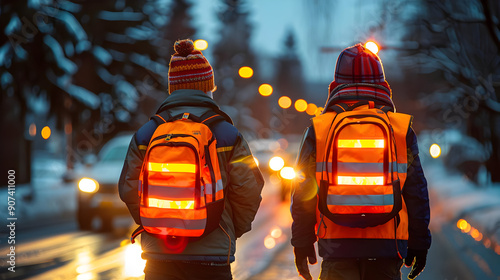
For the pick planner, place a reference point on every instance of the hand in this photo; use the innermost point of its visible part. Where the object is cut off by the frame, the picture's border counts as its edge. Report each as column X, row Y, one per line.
column 302, row 254
column 420, row 257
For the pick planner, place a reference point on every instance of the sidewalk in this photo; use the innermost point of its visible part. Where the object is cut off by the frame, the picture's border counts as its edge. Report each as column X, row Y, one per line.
column 454, row 199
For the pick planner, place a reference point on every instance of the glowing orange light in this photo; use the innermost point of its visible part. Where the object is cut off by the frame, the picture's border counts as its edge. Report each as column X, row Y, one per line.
column 171, row 204
column 360, row 180
column 172, row 167
column 467, row 228
column 46, row 132
column 32, row 129
column 245, row 72
column 487, row 243
column 360, row 143
column 285, row 102
column 474, row 233
column 276, row 232
column 200, row 44
column 287, row 172
column 479, row 237
column 497, row 249
column 300, row 105
column 311, row 109
column 372, row 46
column 265, row 89
column 462, row 224
column 269, row 242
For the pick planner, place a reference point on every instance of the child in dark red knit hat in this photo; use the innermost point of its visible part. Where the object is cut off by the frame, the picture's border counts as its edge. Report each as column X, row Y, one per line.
column 341, row 179
column 359, row 75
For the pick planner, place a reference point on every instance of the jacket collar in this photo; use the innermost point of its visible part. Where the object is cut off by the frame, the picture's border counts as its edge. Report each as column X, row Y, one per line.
column 191, row 98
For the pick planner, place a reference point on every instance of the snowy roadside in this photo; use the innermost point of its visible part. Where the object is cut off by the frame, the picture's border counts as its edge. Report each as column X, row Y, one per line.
column 474, row 209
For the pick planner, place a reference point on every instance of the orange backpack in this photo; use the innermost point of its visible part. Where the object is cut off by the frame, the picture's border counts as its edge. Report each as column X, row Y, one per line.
column 360, row 185
column 180, row 186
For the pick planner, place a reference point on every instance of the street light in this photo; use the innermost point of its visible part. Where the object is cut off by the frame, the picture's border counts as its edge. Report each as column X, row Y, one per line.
column 265, row 89
column 300, row 105
column 200, row 44
column 46, row 132
column 245, row 72
column 285, row 102
column 311, row 109
column 435, row 150
column 372, row 46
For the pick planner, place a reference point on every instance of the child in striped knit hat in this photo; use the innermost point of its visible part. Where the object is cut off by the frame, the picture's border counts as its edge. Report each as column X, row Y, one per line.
column 191, row 83
column 189, row 69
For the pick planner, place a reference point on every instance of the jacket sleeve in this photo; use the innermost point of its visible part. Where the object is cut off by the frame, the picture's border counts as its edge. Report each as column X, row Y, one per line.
column 129, row 178
column 304, row 193
column 245, row 186
column 416, row 197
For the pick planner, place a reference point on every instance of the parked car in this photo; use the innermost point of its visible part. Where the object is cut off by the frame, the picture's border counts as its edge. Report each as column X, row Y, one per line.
column 98, row 186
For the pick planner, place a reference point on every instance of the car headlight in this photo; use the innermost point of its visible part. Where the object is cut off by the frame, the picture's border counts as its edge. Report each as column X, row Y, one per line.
column 88, row 185
column 276, row 163
column 287, row 173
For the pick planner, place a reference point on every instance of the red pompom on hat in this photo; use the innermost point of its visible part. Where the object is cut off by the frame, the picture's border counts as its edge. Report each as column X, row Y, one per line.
column 359, row 75
column 189, row 69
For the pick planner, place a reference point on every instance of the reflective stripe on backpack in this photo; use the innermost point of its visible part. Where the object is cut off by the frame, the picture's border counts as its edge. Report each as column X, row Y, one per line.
column 359, row 185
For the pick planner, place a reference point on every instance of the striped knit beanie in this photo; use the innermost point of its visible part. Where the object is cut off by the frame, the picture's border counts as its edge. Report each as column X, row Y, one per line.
column 189, row 69
column 359, row 75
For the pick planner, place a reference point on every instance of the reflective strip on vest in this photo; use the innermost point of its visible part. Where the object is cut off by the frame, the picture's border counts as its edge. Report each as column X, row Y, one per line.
column 174, row 223
column 360, row 180
column 361, row 167
column 360, row 200
column 170, row 204
column 218, row 187
column 172, row 167
column 170, row 192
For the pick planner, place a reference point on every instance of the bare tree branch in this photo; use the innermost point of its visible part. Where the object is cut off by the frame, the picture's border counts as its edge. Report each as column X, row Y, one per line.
column 492, row 28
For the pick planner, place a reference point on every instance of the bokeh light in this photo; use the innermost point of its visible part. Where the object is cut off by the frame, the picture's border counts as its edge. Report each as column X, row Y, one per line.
column 200, row 44
column 300, row 105
column 265, row 89
column 285, row 102
column 245, row 72
column 372, row 46
column 287, row 173
column 276, row 163
column 311, row 109
column 32, row 130
column 46, row 132
column 269, row 242
column 435, row 150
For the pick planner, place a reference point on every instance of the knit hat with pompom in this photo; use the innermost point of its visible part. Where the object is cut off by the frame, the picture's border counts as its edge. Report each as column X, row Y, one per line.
column 359, row 75
column 189, row 69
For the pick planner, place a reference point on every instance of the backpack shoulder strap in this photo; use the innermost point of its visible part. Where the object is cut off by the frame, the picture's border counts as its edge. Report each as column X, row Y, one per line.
column 162, row 117
column 210, row 118
column 340, row 108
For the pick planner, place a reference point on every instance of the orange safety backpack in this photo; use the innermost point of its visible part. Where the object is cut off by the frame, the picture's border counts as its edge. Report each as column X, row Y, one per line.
column 180, row 186
column 360, row 185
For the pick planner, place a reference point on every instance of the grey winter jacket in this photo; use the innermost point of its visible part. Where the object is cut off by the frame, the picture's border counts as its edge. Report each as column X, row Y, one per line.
column 241, row 178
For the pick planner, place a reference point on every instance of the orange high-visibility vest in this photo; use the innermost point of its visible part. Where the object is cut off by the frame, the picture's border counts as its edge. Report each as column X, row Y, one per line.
column 356, row 172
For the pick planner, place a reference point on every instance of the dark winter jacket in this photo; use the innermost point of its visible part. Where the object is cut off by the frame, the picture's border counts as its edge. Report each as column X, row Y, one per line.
column 241, row 178
column 304, row 205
